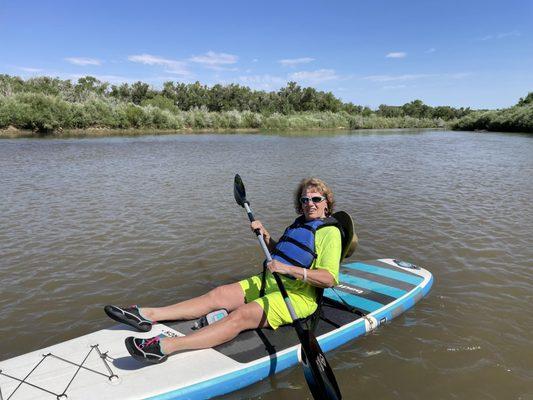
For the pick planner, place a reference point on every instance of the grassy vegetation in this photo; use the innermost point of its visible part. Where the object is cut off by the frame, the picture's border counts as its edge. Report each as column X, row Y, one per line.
column 518, row 118
column 51, row 106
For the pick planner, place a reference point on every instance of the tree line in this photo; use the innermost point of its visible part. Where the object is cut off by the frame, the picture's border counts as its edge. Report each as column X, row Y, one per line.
column 50, row 105
column 176, row 96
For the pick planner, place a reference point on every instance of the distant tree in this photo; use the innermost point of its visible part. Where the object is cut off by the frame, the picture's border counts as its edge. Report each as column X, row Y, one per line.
column 169, row 90
column 390, row 111
column 141, row 91
column 443, row 112
column 351, row 108
column 122, row 92
column 9, row 85
column 526, row 100
column 367, row 111
column 160, row 101
column 328, row 102
column 417, row 109
column 90, row 84
column 289, row 98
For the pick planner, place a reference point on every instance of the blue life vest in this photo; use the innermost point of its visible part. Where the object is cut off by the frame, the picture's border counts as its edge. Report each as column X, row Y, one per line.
column 297, row 245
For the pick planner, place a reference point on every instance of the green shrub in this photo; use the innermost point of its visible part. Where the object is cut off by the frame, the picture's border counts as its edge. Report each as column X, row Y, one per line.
column 35, row 111
column 252, row 120
column 198, row 118
column 162, row 102
column 136, row 116
column 514, row 119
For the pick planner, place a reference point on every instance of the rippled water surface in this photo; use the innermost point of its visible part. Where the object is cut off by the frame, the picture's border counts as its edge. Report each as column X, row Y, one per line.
column 152, row 220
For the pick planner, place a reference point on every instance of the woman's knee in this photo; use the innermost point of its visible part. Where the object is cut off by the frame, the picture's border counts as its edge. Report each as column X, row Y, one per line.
column 215, row 297
column 226, row 296
column 248, row 316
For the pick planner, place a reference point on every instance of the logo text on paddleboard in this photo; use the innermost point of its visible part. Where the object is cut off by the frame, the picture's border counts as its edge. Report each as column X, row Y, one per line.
column 351, row 288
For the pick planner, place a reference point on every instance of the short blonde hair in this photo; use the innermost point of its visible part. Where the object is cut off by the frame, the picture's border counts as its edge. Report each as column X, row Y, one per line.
column 320, row 187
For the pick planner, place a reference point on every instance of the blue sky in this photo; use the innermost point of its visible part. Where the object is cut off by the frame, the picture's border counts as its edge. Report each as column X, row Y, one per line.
column 460, row 53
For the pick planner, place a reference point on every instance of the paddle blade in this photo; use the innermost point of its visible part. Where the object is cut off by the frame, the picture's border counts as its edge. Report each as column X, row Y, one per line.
column 318, row 373
column 238, row 190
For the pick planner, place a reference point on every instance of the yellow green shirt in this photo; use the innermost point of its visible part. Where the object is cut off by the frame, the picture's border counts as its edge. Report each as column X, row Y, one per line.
column 328, row 247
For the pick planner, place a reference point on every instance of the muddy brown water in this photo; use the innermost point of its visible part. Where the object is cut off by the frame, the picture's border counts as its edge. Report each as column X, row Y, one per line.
column 152, row 220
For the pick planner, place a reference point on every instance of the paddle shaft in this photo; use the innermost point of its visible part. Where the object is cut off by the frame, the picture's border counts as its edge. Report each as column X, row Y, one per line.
column 276, row 276
column 317, row 371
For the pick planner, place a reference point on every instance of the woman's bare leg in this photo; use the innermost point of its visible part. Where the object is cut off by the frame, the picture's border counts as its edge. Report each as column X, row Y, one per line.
column 229, row 297
column 247, row 316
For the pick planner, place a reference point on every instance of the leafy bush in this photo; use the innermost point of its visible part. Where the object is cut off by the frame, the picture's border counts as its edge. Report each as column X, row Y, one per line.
column 34, row 111
column 514, row 119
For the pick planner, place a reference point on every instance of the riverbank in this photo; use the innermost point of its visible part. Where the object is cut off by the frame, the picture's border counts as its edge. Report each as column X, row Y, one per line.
column 201, row 121
column 14, row 133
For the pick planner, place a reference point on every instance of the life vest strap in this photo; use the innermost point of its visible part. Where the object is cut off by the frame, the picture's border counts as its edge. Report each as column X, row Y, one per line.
column 302, row 246
column 289, row 259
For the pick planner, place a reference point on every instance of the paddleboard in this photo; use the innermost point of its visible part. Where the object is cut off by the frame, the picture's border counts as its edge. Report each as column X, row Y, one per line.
column 98, row 365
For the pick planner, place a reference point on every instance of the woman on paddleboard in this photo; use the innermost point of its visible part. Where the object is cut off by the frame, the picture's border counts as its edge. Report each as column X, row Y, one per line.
column 307, row 256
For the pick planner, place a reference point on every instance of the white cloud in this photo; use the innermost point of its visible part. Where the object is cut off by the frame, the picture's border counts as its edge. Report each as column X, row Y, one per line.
column 214, row 60
column 265, row 82
column 292, row 62
column 394, row 87
column 501, row 35
column 219, row 68
column 318, row 76
column 83, row 61
column 397, row 54
column 391, row 78
column 30, row 69
column 459, row 75
column 261, row 82
column 172, row 66
column 150, row 59
column 414, row 77
column 508, row 34
column 432, row 50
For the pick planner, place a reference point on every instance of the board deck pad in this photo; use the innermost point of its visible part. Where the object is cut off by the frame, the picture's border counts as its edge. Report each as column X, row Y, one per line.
column 254, row 344
column 97, row 365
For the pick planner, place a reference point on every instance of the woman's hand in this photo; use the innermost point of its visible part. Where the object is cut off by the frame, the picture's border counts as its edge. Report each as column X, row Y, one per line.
column 279, row 267
column 257, row 225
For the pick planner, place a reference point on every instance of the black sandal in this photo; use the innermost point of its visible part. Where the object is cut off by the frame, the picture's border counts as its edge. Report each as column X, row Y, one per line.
column 130, row 316
column 146, row 350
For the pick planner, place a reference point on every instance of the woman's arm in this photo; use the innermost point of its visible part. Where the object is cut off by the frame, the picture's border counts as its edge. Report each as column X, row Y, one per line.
column 317, row 277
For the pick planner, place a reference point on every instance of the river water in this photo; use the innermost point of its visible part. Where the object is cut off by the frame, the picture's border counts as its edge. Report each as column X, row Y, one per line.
column 152, row 220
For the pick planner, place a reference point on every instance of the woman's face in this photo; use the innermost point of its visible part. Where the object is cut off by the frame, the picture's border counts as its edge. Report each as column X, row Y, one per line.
column 313, row 209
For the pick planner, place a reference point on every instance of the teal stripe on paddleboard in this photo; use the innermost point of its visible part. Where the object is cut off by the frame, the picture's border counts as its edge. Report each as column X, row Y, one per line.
column 399, row 276
column 353, row 300
column 373, row 286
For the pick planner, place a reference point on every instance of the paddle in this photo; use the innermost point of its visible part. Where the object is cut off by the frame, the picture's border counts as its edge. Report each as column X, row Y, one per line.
column 318, row 373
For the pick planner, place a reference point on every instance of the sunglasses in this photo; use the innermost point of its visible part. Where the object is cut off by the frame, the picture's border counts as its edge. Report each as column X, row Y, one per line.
column 314, row 199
